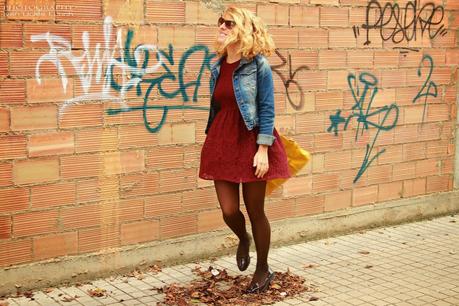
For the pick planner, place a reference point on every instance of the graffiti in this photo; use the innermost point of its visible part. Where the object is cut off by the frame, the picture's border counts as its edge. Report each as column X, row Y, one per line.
column 92, row 68
column 364, row 116
column 140, row 78
column 288, row 82
column 423, row 92
column 131, row 66
column 403, row 24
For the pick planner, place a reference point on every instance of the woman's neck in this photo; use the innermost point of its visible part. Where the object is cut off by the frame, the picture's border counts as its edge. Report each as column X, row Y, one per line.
column 233, row 54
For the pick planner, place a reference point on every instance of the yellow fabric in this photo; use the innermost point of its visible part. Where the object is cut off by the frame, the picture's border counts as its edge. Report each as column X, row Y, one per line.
column 297, row 159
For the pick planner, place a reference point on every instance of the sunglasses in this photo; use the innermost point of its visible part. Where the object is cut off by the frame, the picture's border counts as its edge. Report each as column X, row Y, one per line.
column 228, row 23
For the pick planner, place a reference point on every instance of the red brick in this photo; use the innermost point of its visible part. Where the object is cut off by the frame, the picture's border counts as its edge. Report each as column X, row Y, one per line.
column 337, row 200
column 81, row 116
column 447, row 166
column 175, row 180
column 393, row 78
column 55, row 245
column 327, row 142
column 406, row 133
column 365, row 195
column 413, row 114
column 280, row 209
column 285, row 38
column 297, row 186
column 198, row 12
column 414, row 151
column 350, row 141
column 337, row 79
column 12, row 147
column 33, row 117
column 427, row 167
column 5, row 227
column 273, row 14
column 429, row 131
column 51, row 144
column 325, row 182
column 313, row 38
column 82, row 10
column 84, row 216
column 390, row 191
column 30, row 29
column 199, row 199
column 304, row 16
column 446, row 41
column 84, row 165
column 87, row 190
column 452, row 55
column 438, row 112
column 11, row 35
column 14, row 199
column 393, row 154
column 125, row 11
column 379, row 174
column 136, row 136
column 23, row 63
column 96, row 239
column 49, row 90
column 15, row 252
column 179, row 36
column 12, row 91
column 415, row 187
column 139, row 184
column 411, row 59
column 165, row 11
column 334, row 17
column 4, row 65
column 123, row 162
column 177, row 226
column 439, row 183
column 6, row 174
column 341, row 38
column 163, row 205
column 437, row 149
column 310, row 123
column 404, row 171
column 299, row 58
column 96, row 140
column 347, row 178
column 337, row 160
column 53, row 195
column 36, row 171
column 35, row 223
column 210, row 220
column 330, row 100
column 309, row 205
column 386, row 59
column 360, row 59
column 332, row 59
column 138, row 232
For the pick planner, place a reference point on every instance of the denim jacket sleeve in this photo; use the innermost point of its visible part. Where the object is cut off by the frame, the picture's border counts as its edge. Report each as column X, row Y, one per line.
column 265, row 99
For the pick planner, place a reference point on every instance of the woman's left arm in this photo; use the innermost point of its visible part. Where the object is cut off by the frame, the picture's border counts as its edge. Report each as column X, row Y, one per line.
column 265, row 138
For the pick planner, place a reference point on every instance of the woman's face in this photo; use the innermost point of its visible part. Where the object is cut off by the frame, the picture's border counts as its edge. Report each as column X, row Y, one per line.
column 226, row 25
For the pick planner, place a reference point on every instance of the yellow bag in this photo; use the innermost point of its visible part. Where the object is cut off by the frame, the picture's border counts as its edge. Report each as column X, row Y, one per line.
column 297, row 159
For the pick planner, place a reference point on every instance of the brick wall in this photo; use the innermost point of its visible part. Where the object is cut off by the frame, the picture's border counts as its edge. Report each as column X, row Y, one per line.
column 103, row 106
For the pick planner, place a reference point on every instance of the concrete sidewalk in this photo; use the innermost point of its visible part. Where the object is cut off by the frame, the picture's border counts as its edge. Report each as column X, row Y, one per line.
column 410, row 264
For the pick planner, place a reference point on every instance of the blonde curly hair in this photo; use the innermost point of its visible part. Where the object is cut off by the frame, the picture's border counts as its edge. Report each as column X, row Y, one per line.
column 250, row 32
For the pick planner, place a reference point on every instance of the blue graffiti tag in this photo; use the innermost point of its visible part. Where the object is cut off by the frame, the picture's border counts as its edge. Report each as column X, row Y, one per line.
column 430, row 85
column 141, row 76
column 363, row 114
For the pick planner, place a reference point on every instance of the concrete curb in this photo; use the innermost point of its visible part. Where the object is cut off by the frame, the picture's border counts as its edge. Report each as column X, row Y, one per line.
column 79, row 268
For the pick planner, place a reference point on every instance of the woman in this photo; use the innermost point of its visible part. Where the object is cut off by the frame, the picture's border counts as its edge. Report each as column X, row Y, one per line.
column 242, row 146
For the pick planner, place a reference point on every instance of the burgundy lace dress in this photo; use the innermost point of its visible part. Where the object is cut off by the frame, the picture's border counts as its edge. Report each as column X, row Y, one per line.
column 229, row 148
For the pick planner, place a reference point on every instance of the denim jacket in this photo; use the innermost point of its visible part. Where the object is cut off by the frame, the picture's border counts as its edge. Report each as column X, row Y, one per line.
column 254, row 92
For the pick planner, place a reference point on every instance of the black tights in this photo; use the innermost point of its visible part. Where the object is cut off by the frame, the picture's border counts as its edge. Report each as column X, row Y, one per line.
column 254, row 199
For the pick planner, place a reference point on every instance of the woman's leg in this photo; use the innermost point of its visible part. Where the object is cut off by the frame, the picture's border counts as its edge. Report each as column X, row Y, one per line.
column 254, row 199
column 228, row 197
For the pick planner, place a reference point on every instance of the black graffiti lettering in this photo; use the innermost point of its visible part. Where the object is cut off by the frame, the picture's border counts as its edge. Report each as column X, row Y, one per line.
column 297, row 105
column 398, row 24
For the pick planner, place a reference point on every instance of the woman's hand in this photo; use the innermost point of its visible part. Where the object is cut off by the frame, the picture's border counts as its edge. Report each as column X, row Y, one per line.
column 260, row 161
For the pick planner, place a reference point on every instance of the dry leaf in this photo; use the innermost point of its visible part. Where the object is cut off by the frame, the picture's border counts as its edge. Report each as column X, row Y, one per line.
column 97, row 292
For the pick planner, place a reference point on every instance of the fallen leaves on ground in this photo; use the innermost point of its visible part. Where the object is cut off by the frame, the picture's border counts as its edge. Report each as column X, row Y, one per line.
column 364, row 252
column 70, row 298
column 98, row 292
column 216, row 287
column 4, row 303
